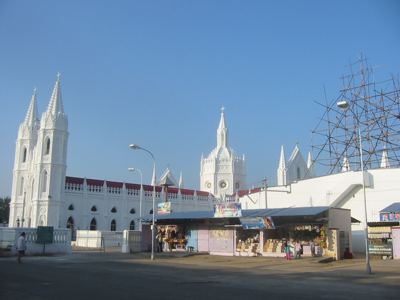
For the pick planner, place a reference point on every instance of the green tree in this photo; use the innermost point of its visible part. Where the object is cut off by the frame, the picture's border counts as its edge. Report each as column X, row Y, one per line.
column 4, row 209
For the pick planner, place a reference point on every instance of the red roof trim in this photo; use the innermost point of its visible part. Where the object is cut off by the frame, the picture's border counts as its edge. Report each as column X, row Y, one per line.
column 187, row 192
column 95, row 182
column 114, row 184
column 132, row 186
column 75, row 180
column 202, row 193
column 173, row 190
column 149, row 188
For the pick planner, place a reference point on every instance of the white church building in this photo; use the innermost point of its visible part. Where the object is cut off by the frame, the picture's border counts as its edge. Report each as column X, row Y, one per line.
column 42, row 194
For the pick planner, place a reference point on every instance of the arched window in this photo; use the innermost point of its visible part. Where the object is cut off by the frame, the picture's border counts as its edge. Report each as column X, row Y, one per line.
column 113, row 225
column 70, row 223
column 113, row 210
column 47, row 146
column 93, row 224
column 70, row 207
column 24, row 155
column 132, row 225
column 44, row 181
column 132, row 211
column 94, row 208
column 21, row 187
column 151, row 211
column 298, row 173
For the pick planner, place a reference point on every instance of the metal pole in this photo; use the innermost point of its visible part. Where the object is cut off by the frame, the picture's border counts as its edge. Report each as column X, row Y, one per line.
column 140, row 201
column 154, row 210
column 137, row 147
column 368, row 265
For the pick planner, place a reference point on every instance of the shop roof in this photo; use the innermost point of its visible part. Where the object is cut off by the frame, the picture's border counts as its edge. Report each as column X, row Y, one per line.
column 383, row 224
column 269, row 212
column 394, row 207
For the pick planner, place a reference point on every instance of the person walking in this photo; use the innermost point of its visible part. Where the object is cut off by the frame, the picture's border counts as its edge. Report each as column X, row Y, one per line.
column 21, row 246
column 297, row 249
column 159, row 238
column 287, row 250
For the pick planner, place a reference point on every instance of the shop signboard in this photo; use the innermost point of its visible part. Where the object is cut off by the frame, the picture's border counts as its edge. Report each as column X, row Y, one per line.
column 164, row 208
column 257, row 223
column 227, row 210
column 44, row 235
column 390, row 216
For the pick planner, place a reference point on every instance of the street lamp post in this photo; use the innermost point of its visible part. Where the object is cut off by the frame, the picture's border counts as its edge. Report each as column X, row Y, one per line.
column 344, row 105
column 137, row 147
column 141, row 194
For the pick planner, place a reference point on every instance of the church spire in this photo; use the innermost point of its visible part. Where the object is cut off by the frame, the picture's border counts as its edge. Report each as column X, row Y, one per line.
column 222, row 132
column 281, row 172
column 310, row 165
column 56, row 104
column 31, row 115
column 385, row 159
column 180, row 184
column 282, row 161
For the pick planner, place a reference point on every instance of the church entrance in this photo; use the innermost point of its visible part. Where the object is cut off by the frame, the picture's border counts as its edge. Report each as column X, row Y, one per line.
column 71, row 226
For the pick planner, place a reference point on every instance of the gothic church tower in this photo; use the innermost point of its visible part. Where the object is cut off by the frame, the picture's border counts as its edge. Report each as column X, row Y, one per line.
column 40, row 165
column 222, row 172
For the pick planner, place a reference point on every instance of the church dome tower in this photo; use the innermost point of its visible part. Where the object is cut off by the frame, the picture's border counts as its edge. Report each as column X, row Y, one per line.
column 222, row 172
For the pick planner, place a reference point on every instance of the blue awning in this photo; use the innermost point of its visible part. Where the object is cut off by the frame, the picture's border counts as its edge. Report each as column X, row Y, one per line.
column 269, row 212
column 394, row 207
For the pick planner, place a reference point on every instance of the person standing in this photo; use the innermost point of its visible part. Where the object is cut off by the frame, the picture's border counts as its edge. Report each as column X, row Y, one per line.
column 21, row 246
column 297, row 249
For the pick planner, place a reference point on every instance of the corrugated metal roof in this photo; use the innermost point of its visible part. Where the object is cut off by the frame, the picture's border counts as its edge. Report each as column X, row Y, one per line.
column 269, row 212
column 394, row 207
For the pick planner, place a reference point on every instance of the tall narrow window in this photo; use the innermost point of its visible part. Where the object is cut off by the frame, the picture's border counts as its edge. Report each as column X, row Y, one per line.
column 113, row 225
column 70, row 223
column 93, row 224
column 21, row 187
column 24, row 155
column 47, row 146
column 44, row 181
column 132, row 225
column 298, row 173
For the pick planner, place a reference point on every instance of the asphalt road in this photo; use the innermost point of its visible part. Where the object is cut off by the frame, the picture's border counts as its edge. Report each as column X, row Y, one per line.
column 123, row 276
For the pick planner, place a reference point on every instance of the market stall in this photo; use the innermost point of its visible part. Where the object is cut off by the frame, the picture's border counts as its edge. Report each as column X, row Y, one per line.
column 380, row 239
column 318, row 230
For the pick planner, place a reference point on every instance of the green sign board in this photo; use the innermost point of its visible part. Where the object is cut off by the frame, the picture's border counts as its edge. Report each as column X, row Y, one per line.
column 44, row 235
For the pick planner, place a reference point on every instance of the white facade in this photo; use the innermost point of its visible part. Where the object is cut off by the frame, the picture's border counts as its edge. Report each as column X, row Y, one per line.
column 40, row 165
column 295, row 168
column 106, row 205
column 222, row 172
column 42, row 195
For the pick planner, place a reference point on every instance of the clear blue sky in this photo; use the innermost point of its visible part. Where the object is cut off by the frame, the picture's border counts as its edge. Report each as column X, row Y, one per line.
column 157, row 72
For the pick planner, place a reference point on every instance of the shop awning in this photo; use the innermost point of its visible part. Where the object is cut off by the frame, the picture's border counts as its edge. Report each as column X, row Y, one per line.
column 394, row 207
column 269, row 212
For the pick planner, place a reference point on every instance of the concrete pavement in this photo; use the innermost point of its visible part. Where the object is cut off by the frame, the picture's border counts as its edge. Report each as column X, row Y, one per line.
column 89, row 275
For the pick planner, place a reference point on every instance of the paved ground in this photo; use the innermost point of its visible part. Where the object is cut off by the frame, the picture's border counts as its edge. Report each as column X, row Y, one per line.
column 86, row 275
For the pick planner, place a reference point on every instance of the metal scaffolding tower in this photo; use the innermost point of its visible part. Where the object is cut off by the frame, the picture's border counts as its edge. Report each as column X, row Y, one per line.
column 374, row 107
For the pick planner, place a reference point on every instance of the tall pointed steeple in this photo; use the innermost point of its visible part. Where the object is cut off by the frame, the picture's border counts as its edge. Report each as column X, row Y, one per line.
column 180, row 184
column 281, row 172
column 56, row 104
column 222, row 132
column 346, row 164
column 385, row 159
column 31, row 115
column 282, row 161
column 310, row 165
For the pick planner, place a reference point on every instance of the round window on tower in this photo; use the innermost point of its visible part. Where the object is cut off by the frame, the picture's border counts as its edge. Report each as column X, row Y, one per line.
column 208, row 185
column 223, row 184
